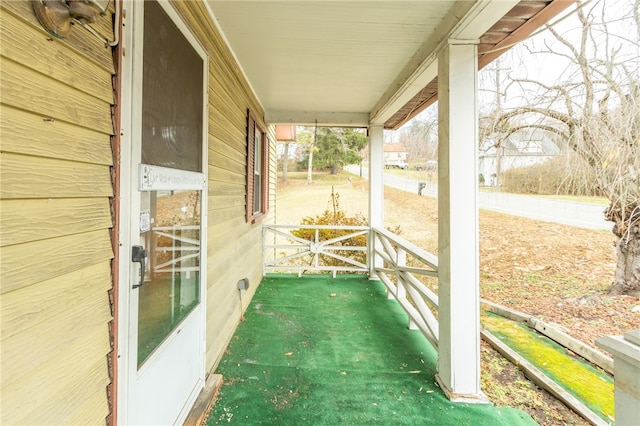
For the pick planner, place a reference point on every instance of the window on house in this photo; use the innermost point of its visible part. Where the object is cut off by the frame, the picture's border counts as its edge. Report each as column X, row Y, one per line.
column 257, row 170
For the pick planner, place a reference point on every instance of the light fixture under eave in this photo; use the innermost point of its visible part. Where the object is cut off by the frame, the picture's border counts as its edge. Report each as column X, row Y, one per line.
column 57, row 16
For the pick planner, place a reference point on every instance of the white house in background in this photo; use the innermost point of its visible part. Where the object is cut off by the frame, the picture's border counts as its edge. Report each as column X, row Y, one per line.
column 518, row 150
column 395, row 154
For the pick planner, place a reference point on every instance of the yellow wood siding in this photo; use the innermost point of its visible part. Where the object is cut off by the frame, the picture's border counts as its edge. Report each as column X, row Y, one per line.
column 234, row 246
column 31, row 263
column 87, row 45
column 23, row 221
column 25, row 45
column 38, row 305
column 55, row 220
column 30, row 90
column 30, row 134
column 35, row 177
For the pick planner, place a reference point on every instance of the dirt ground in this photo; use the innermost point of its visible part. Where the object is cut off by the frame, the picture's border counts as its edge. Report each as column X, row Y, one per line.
column 557, row 273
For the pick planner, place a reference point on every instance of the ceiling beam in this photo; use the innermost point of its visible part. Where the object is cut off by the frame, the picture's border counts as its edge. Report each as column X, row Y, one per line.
column 322, row 118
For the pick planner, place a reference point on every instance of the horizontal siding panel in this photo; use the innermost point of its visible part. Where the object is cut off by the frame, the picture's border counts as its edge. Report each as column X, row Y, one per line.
column 78, row 40
column 29, row 90
column 27, row 133
column 25, row 45
column 234, row 137
column 93, row 410
column 219, row 146
column 222, row 319
column 104, row 23
column 31, row 391
column 23, row 221
column 61, row 407
column 223, row 188
column 81, row 325
column 219, row 161
column 30, row 263
column 223, row 104
column 33, row 177
column 223, row 215
column 230, row 85
column 227, row 230
column 245, row 253
column 223, row 202
column 225, row 84
column 218, row 174
column 39, row 304
column 235, row 120
column 224, row 254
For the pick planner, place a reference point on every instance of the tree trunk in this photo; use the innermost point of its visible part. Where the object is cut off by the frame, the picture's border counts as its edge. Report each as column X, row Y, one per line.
column 334, row 169
column 311, row 147
column 627, row 276
column 310, row 166
column 285, row 164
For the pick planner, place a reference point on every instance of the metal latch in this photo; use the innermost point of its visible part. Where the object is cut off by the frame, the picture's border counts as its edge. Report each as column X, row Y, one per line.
column 139, row 255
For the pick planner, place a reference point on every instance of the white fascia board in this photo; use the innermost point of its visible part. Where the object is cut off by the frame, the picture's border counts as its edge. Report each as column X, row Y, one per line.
column 322, row 118
column 482, row 16
column 420, row 70
column 427, row 71
column 476, row 19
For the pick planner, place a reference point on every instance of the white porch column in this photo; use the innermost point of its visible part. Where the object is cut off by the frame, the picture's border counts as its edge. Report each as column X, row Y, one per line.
column 626, row 369
column 376, row 189
column 458, row 258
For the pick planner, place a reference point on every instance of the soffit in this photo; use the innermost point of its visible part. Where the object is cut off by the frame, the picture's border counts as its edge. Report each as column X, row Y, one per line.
column 520, row 22
column 344, row 62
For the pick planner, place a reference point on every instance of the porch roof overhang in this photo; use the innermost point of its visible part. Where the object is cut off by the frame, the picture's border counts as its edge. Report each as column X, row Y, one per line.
column 360, row 63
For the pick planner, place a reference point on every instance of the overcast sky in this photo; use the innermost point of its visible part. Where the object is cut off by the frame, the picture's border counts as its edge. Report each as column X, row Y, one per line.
column 529, row 60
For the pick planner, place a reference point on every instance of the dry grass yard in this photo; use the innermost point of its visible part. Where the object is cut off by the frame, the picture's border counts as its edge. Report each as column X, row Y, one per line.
column 558, row 273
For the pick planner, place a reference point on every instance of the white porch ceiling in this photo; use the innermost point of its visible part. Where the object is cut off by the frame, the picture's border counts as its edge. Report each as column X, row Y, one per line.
column 345, row 62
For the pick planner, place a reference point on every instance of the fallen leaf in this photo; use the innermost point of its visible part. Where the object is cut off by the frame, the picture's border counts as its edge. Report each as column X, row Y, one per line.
column 288, row 353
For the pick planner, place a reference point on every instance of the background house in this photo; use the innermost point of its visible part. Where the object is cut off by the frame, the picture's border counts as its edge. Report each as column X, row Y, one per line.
column 518, row 150
column 394, row 153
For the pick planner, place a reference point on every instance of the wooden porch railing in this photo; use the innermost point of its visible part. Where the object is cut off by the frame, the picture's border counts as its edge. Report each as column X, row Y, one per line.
column 313, row 251
column 404, row 268
column 400, row 265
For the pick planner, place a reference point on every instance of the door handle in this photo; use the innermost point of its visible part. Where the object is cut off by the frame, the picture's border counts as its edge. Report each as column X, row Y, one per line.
column 139, row 255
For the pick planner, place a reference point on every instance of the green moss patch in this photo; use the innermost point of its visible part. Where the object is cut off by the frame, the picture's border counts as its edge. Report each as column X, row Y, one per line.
column 594, row 388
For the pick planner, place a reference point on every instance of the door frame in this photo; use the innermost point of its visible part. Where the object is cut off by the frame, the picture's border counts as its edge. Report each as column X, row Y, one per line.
column 132, row 31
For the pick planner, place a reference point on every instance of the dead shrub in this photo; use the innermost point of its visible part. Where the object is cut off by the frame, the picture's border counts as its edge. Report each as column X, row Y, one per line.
column 563, row 175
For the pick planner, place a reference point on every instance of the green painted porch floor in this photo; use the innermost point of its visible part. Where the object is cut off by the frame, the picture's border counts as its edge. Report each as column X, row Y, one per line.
column 327, row 351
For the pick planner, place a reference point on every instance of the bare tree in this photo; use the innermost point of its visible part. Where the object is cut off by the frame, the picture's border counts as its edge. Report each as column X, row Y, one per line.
column 595, row 109
column 491, row 136
column 420, row 136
